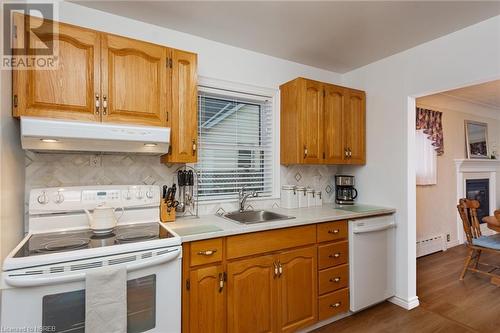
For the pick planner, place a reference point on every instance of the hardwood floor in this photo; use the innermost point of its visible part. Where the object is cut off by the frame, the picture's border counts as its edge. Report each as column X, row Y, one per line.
column 446, row 304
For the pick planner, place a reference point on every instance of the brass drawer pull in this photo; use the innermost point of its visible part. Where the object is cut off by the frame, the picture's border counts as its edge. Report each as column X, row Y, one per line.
column 335, row 255
column 336, row 305
column 336, row 280
column 335, row 231
column 207, row 252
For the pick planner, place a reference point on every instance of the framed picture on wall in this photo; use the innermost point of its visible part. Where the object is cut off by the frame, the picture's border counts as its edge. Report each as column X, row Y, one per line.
column 476, row 139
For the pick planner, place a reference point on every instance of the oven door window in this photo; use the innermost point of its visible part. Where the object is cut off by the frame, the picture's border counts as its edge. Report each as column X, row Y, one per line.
column 65, row 312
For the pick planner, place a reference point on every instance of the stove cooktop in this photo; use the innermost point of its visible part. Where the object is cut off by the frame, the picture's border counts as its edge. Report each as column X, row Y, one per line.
column 57, row 242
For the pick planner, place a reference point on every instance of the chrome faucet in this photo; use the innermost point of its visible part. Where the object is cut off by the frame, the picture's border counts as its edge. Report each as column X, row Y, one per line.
column 243, row 196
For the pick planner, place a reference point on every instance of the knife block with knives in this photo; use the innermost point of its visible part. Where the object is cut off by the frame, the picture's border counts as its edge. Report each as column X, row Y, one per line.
column 168, row 204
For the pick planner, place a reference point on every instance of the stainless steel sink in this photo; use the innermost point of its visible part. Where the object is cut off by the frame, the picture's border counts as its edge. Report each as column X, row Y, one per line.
column 256, row 216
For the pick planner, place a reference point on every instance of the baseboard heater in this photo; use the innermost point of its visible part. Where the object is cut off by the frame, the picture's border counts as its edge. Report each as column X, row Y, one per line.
column 430, row 245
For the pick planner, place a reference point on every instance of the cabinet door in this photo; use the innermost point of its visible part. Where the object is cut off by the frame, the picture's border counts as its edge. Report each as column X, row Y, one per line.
column 69, row 90
column 334, row 145
column 206, row 300
column 311, row 120
column 298, row 289
column 355, row 127
column 251, row 295
column 184, row 115
column 134, row 81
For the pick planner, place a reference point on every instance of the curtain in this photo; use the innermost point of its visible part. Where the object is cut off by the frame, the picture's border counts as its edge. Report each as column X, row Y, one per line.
column 426, row 160
column 431, row 123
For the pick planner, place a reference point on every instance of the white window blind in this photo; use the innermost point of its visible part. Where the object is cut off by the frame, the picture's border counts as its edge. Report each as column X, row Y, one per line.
column 235, row 144
column 426, row 160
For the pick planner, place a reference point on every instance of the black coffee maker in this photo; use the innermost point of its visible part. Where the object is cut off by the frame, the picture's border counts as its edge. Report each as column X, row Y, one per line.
column 345, row 193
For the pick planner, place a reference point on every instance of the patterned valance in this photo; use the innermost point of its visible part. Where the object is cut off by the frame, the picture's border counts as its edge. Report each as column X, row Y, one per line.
column 431, row 122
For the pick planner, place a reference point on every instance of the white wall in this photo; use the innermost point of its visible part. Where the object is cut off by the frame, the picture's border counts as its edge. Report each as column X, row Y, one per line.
column 215, row 60
column 436, row 204
column 11, row 172
column 466, row 57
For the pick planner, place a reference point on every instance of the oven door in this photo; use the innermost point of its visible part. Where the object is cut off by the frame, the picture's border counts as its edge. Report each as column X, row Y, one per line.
column 56, row 302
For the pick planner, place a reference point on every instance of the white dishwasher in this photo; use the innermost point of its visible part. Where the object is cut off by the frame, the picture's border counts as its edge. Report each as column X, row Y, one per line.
column 371, row 261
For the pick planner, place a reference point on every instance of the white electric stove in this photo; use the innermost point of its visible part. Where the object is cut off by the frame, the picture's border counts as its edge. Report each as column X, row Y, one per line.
column 45, row 274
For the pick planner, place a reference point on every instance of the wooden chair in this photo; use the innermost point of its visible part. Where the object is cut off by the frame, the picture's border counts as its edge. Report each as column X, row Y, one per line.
column 475, row 241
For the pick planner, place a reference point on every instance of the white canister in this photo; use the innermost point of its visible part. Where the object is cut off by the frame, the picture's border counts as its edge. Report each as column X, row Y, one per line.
column 310, row 197
column 318, row 198
column 302, row 197
column 289, row 197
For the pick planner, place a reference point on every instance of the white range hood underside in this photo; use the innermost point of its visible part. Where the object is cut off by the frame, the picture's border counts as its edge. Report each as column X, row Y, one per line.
column 39, row 134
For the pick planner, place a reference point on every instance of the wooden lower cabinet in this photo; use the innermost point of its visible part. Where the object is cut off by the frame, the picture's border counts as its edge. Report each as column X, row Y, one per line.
column 280, row 289
column 207, row 300
column 252, row 295
column 297, row 304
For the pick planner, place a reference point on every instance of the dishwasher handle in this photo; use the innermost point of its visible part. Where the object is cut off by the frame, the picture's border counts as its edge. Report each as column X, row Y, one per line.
column 374, row 228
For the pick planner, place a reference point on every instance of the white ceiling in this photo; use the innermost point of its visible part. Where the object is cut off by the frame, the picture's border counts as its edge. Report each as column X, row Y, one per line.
column 333, row 35
column 485, row 94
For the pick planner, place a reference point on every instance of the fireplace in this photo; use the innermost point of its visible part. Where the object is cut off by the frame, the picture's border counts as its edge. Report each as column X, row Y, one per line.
column 479, row 189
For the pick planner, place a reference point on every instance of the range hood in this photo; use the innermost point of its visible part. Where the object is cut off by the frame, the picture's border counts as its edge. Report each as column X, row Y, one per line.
column 41, row 134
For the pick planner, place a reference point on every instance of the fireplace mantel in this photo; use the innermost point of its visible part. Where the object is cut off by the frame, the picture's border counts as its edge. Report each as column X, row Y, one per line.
column 477, row 165
column 476, row 169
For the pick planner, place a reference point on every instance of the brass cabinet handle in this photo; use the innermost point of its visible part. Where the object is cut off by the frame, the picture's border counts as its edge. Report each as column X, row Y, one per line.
column 335, row 255
column 207, row 252
column 97, row 104
column 221, row 282
column 336, row 280
column 276, row 270
column 194, row 145
column 349, row 152
column 335, row 231
column 305, row 151
column 346, row 153
column 280, row 269
column 336, row 305
column 104, row 105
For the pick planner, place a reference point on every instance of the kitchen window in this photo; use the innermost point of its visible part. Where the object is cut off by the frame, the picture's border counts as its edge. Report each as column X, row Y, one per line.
column 235, row 135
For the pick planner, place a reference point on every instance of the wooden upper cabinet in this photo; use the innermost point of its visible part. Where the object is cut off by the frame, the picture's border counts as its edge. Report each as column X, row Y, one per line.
column 311, row 118
column 329, row 119
column 109, row 78
column 298, row 289
column 183, row 118
column 251, row 295
column 334, row 145
column 207, row 300
column 134, row 81
column 355, row 127
column 67, row 92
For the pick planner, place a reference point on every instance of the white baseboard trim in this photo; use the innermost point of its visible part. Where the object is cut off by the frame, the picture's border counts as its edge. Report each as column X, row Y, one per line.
column 405, row 304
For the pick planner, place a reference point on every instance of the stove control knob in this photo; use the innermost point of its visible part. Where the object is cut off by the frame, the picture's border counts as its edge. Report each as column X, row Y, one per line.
column 43, row 199
column 149, row 194
column 128, row 196
column 139, row 194
column 59, row 198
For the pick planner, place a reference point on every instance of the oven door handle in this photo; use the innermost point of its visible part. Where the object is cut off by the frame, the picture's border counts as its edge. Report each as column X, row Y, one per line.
column 48, row 279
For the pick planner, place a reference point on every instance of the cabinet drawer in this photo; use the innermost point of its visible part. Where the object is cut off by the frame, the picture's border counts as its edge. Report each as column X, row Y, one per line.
column 333, row 304
column 332, row 279
column 333, row 254
column 269, row 241
column 331, row 231
column 206, row 251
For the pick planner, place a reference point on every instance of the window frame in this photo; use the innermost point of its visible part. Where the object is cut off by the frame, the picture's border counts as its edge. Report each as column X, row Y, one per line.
column 240, row 90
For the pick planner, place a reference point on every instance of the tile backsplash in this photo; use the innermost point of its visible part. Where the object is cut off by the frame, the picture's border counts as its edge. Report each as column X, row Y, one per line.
column 53, row 170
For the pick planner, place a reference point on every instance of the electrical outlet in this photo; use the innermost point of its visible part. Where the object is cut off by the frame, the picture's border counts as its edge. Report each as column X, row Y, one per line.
column 95, row 161
column 448, row 238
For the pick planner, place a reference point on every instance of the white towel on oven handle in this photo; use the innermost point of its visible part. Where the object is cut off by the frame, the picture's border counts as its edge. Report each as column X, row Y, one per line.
column 106, row 300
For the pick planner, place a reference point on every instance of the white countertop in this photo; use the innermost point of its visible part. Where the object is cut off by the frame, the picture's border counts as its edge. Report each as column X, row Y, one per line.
column 213, row 226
